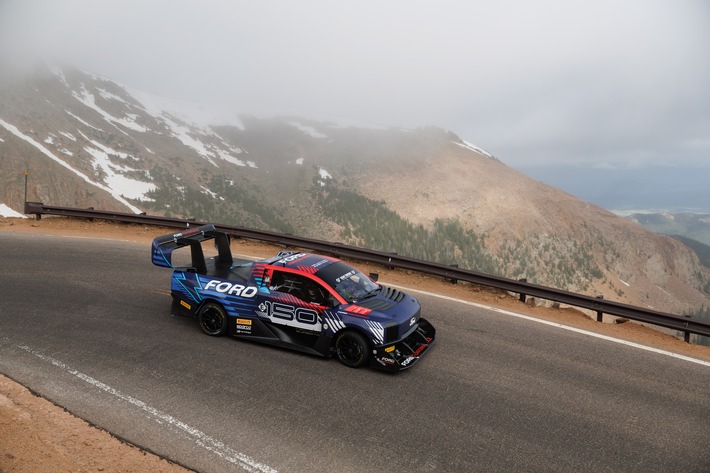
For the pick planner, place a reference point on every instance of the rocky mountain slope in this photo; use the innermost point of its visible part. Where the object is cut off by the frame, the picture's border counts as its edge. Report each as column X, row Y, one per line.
column 90, row 142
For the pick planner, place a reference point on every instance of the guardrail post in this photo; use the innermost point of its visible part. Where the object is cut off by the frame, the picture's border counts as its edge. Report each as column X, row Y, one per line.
column 389, row 260
column 34, row 208
column 600, row 314
column 523, row 297
column 27, row 173
column 686, row 334
column 454, row 280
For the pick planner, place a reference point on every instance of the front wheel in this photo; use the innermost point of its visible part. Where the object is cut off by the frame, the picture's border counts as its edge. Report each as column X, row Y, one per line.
column 213, row 319
column 352, row 349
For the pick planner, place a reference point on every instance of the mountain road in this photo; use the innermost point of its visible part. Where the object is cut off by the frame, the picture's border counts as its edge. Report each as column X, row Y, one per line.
column 86, row 323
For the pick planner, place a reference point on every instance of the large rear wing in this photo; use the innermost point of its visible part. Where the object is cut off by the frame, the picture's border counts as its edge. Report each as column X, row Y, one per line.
column 163, row 247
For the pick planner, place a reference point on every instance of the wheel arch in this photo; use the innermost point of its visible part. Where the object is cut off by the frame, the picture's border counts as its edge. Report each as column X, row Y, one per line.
column 206, row 301
column 205, row 326
column 353, row 328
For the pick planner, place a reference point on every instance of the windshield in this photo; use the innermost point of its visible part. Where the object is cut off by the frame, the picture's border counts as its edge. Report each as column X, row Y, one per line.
column 347, row 281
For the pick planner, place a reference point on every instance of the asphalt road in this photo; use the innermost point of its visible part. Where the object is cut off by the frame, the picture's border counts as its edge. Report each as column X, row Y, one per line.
column 86, row 324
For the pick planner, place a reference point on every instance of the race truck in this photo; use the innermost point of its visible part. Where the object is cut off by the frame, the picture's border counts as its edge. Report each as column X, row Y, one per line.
column 302, row 301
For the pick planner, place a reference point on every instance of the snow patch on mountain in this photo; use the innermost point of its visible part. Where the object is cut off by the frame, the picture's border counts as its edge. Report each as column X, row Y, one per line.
column 116, row 195
column 199, row 115
column 57, row 71
column 206, row 191
column 308, row 130
column 88, row 99
column 115, row 173
column 185, row 132
column 83, row 122
column 182, row 133
column 324, row 176
column 129, row 188
column 466, row 145
column 109, row 96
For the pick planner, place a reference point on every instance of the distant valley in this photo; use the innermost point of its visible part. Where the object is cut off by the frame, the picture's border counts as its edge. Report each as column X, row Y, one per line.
column 691, row 229
column 689, row 225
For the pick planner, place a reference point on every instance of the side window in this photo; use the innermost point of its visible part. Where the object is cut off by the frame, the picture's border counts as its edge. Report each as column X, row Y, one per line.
column 316, row 294
column 300, row 286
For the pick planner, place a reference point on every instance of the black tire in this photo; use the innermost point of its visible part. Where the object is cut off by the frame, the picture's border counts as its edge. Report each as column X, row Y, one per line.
column 352, row 349
column 213, row 319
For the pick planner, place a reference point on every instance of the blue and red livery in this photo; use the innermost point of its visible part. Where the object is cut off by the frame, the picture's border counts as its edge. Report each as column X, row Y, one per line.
column 307, row 302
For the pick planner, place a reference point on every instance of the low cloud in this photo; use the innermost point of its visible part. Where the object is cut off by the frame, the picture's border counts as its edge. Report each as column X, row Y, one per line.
column 541, row 83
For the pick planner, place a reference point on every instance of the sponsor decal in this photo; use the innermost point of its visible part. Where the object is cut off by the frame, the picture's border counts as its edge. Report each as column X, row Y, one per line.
column 230, row 289
column 187, row 233
column 420, row 349
column 185, row 304
column 416, row 354
column 244, row 326
column 345, row 276
column 286, row 314
column 290, row 258
column 389, row 361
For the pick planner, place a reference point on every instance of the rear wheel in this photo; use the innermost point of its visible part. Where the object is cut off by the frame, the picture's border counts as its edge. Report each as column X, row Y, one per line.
column 213, row 319
column 352, row 349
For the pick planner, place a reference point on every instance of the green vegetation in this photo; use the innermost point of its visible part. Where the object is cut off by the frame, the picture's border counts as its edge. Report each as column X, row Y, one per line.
column 219, row 200
column 370, row 224
column 550, row 260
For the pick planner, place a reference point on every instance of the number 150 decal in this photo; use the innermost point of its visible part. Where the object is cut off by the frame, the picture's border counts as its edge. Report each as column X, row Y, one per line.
column 285, row 314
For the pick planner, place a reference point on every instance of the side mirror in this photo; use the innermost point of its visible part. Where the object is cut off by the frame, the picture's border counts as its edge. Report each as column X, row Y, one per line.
column 374, row 276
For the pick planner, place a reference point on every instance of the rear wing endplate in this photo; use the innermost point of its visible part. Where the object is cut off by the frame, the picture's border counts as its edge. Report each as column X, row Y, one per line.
column 163, row 247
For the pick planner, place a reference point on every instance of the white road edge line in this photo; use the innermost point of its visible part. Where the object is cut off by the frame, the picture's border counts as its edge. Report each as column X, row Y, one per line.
column 555, row 324
column 203, row 440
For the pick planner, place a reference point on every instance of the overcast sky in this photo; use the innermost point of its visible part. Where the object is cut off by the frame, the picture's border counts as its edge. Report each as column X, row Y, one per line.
column 605, row 83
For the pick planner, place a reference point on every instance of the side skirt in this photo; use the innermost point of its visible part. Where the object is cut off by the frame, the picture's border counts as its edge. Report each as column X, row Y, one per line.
column 247, row 328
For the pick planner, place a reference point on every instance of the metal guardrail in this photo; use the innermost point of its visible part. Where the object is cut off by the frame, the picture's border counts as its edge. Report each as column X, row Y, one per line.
column 523, row 288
